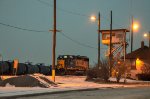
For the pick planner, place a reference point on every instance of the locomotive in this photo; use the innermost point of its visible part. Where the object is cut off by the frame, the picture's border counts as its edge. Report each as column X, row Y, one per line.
column 72, row 64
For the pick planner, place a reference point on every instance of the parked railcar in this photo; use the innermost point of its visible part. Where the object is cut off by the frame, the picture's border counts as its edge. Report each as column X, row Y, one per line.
column 22, row 69
column 4, row 68
column 72, row 64
column 31, row 69
column 43, row 69
column 10, row 64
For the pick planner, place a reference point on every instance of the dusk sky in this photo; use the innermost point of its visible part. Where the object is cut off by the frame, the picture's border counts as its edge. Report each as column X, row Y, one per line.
column 78, row 34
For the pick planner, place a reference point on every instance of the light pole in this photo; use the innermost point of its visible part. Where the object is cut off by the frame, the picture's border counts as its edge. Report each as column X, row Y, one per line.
column 134, row 28
column 93, row 18
column 110, row 51
column 132, row 34
column 148, row 36
column 1, row 59
column 98, row 40
column 149, row 39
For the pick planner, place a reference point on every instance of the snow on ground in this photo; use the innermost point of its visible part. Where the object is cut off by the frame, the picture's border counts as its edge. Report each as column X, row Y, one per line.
column 65, row 83
column 79, row 81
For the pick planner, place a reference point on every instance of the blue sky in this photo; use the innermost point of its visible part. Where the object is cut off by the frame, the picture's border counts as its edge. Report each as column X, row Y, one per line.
column 73, row 19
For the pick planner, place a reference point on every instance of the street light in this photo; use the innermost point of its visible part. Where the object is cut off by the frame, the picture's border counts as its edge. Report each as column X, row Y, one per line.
column 147, row 35
column 134, row 28
column 93, row 18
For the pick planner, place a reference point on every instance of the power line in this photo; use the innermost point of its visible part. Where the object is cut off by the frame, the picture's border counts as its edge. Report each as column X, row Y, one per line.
column 45, row 3
column 31, row 30
column 21, row 28
column 64, row 10
column 77, row 42
column 74, row 13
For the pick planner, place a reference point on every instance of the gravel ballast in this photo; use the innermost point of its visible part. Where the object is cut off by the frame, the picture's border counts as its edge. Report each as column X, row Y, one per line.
column 35, row 80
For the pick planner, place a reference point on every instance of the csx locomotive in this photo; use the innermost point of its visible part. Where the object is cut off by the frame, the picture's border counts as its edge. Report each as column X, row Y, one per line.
column 72, row 64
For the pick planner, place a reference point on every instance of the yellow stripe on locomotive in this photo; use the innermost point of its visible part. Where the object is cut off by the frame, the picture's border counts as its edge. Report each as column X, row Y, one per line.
column 60, row 63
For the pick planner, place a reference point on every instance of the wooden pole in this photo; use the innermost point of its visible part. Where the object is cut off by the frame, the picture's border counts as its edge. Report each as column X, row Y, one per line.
column 110, row 55
column 149, row 39
column 54, row 43
column 99, row 40
column 132, row 35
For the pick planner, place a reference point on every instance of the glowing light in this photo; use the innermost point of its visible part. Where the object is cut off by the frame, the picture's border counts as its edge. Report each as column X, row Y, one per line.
column 93, row 18
column 119, row 62
column 145, row 35
column 137, row 61
column 139, row 64
column 135, row 26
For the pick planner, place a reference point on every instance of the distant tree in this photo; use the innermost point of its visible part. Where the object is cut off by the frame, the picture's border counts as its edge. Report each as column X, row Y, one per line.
column 92, row 73
column 120, row 69
column 99, row 73
column 145, row 75
column 145, row 69
column 104, row 66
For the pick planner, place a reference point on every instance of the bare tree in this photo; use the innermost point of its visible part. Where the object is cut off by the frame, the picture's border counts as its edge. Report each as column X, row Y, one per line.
column 120, row 70
column 145, row 69
column 99, row 72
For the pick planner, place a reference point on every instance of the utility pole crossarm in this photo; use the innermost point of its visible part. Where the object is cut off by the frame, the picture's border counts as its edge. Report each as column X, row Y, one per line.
column 56, row 31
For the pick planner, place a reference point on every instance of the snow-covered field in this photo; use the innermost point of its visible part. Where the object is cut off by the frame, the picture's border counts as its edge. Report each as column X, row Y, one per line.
column 65, row 83
column 79, row 81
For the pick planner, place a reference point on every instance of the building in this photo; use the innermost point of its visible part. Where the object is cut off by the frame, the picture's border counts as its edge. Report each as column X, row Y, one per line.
column 138, row 60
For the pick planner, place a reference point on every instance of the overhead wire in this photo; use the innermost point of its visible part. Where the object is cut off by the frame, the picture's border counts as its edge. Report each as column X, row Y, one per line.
column 77, row 42
column 64, row 10
column 21, row 28
column 73, row 13
column 63, row 34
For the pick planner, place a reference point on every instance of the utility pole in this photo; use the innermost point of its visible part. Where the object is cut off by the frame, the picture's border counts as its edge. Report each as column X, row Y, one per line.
column 124, row 51
column 124, row 45
column 132, row 34
column 1, row 59
column 54, row 42
column 149, row 39
column 110, row 55
column 99, row 40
